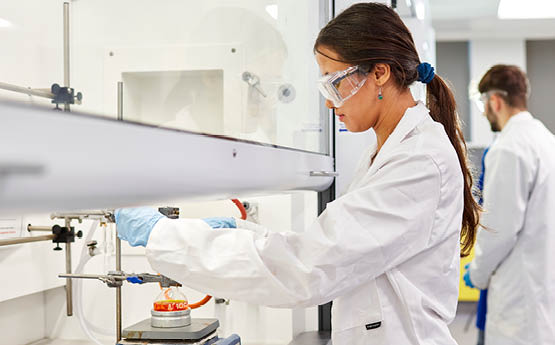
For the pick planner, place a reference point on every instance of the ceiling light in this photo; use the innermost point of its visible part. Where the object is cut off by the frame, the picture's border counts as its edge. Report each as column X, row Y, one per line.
column 530, row 9
column 4, row 23
column 272, row 11
column 420, row 11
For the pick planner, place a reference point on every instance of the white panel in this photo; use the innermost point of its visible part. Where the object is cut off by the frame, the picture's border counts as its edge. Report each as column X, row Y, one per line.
column 32, row 267
column 152, row 80
column 483, row 55
column 68, row 161
column 22, row 320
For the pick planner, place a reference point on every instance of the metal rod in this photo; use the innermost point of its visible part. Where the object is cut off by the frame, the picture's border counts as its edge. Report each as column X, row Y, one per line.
column 69, row 282
column 66, row 49
column 120, row 100
column 118, row 241
column 27, row 90
column 19, row 240
column 80, row 214
column 38, row 228
column 118, row 289
column 89, row 276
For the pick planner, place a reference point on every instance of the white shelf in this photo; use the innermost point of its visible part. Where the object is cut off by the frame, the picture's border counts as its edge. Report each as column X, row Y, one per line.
column 53, row 160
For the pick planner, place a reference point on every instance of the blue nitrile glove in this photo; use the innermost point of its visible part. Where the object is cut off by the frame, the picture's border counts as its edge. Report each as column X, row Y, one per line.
column 466, row 277
column 135, row 224
column 221, row 222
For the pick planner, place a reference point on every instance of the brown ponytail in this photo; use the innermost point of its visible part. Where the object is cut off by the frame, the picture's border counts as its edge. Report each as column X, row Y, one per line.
column 443, row 109
column 370, row 33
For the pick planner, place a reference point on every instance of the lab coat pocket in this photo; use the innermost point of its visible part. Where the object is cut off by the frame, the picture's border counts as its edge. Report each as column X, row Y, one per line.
column 357, row 316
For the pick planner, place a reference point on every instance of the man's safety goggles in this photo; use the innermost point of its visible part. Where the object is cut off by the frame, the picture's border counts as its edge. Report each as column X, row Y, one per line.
column 341, row 85
column 483, row 99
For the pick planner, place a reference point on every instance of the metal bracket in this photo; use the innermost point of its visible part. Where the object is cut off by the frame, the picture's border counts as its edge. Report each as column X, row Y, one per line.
column 324, row 173
column 65, row 95
column 116, row 278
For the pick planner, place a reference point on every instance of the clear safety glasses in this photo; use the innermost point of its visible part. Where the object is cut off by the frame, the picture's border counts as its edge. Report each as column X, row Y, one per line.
column 481, row 99
column 341, row 85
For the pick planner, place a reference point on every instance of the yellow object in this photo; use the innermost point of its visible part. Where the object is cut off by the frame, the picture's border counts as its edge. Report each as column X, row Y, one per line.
column 467, row 294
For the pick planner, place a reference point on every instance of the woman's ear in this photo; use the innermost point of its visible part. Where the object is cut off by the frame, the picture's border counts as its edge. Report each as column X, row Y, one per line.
column 381, row 73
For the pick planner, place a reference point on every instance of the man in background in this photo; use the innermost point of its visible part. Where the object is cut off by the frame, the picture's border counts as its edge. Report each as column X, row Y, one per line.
column 515, row 249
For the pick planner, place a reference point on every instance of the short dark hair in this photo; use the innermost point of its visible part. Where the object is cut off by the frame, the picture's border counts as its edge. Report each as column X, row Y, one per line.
column 508, row 78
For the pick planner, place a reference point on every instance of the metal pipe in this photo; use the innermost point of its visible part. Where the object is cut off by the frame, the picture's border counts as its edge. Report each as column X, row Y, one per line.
column 19, row 240
column 66, row 49
column 90, row 276
column 38, row 228
column 118, row 241
column 27, row 90
column 69, row 282
column 80, row 214
column 118, row 289
column 120, row 100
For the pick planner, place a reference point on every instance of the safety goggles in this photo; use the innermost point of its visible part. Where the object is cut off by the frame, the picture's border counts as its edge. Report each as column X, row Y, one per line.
column 481, row 99
column 341, row 85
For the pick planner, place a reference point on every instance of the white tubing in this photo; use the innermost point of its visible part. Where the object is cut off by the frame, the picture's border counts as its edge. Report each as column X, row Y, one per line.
column 86, row 326
column 81, row 318
column 80, row 314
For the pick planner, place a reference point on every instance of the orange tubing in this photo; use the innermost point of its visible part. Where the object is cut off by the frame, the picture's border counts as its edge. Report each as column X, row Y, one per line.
column 241, row 208
column 200, row 303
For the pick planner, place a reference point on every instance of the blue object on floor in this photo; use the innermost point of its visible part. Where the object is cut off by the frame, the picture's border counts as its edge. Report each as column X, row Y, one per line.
column 483, row 301
column 482, row 310
column 233, row 339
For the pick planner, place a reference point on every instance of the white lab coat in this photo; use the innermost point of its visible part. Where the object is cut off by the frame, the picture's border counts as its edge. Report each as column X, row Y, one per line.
column 386, row 252
column 515, row 259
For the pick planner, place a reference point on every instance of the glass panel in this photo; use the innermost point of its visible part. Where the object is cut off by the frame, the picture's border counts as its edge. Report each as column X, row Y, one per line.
column 243, row 69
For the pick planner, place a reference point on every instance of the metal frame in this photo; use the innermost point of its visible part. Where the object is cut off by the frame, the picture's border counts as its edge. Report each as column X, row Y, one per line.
column 324, row 197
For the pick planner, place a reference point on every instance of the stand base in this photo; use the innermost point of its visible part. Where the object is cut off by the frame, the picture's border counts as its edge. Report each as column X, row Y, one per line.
column 144, row 333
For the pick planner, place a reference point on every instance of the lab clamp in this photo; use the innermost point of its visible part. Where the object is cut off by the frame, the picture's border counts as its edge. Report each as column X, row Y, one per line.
column 60, row 95
column 170, row 321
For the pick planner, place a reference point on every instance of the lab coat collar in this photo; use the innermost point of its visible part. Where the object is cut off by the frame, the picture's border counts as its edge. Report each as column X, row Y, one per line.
column 522, row 116
column 412, row 117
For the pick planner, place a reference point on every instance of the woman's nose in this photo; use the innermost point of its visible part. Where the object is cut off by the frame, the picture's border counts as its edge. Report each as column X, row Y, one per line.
column 329, row 104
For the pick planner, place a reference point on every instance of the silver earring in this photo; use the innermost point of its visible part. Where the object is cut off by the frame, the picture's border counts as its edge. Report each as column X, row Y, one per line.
column 380, row 95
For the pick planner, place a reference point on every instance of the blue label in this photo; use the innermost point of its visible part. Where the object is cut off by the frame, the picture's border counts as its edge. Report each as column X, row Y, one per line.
column 342, row 127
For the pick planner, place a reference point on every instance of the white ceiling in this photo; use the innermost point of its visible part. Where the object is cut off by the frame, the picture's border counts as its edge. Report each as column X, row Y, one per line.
column 463, row 9
column 474, row 19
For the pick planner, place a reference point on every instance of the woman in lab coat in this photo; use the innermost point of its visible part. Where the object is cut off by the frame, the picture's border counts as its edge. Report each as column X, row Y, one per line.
column 387, row 252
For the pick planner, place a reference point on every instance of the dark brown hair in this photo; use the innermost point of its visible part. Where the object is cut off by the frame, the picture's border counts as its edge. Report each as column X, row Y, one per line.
column 507, row 78
column 370, row 33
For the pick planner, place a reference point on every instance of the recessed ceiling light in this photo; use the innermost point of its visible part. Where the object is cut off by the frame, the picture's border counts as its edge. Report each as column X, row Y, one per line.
column 420, row 11
column 529, row 9
column 272, row 10
column 4, row 23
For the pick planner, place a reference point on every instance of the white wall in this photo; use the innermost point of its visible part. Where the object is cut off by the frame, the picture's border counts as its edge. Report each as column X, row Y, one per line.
column 485, row 53
column 22, row 319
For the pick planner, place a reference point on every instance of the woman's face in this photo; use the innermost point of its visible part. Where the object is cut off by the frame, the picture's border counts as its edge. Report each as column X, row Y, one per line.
column 360, row 112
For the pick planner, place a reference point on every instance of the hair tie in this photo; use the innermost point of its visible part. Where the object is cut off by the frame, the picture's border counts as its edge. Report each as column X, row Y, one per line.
column 425, row 72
